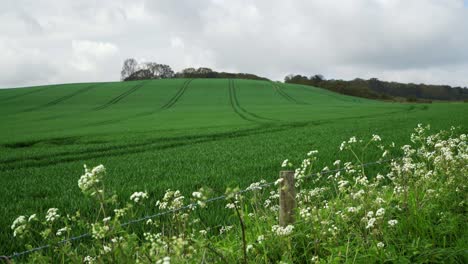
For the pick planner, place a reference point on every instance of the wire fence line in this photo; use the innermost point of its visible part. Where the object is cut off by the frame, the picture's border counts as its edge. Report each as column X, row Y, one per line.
column 186, row 207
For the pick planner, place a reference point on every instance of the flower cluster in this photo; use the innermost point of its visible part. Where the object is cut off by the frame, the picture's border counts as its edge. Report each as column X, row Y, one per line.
column 136, row 197
column 89, row 182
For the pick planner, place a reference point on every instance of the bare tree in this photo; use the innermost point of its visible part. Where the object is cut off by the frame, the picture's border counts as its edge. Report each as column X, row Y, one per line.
column 129, row 67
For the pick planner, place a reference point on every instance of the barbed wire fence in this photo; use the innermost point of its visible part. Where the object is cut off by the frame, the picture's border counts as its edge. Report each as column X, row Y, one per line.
column 15, row 255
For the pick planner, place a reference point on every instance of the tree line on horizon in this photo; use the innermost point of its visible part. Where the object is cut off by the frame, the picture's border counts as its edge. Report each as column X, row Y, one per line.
column 132, row 70
column 372, row 88
column 383, row 90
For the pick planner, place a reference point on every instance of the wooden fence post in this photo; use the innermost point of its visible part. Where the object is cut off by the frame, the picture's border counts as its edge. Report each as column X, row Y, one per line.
column 287, row 198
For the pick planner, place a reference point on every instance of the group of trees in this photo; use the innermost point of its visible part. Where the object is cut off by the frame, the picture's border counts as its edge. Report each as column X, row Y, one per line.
column 377, row 89
column 372, row 88
column 132, row 70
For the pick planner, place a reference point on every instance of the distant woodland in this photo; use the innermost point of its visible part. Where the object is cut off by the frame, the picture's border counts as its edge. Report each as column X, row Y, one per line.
column 372, row 88
column 377, row 89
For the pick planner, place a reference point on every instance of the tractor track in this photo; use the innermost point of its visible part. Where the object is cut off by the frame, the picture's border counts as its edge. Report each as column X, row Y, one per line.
column 23, row 94
column 121, row 96
column 286, row 96
column 177, row 96
column 234, row 102
column 63, row 98
column 242, row 112
column 172, row 101
column 155, row 144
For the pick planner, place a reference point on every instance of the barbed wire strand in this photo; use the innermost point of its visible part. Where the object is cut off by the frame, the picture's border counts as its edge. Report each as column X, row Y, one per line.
column 189, row 206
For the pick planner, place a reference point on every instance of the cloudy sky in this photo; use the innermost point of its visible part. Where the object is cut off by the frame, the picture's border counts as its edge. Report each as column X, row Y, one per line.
column 62, row 41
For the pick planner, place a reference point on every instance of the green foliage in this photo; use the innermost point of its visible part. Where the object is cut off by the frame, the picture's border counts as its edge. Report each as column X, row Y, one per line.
column 206, row 136
column 412, row 210
column 376, row 89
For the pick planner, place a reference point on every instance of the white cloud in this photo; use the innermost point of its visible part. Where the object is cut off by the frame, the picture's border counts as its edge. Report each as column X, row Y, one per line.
column 89, row 55
column 408, row 41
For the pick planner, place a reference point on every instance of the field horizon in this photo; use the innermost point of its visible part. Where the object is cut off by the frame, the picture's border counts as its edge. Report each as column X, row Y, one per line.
column 181, row 134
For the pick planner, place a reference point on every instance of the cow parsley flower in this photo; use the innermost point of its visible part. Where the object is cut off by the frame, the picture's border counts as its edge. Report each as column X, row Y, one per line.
column 249, row 247
column 393, row 222
column 370, row 223
column 260, row 238
column 52, row 215
column 285, row 163
column 89, row 181
column 224, row 229
column 136, row 197
column 32, row 217
column 380, row 212
column 376, row 138
column 62, row 231
column 197, row 195
column 89, row 259
column 282, row 231
column 380, row 245
column 230, row 206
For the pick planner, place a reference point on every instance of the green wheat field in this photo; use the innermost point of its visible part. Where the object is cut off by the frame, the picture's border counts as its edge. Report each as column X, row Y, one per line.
column 179, row 134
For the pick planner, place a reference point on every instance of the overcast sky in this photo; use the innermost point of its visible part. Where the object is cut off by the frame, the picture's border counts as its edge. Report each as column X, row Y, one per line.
column 64, row 41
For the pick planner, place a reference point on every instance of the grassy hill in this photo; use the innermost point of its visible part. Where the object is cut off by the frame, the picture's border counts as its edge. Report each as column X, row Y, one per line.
column 179, row 134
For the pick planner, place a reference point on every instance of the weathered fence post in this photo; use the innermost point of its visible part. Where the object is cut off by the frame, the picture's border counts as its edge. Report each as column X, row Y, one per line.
column 287, row 198
column 5, row 259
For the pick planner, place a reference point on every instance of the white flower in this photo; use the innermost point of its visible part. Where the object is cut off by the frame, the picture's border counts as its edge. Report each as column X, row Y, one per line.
column 352, row 140
column 376, row 138
column 106, row 249
column 384, row 153
column 393, row 222
column 260, row 238
column 166, row 260
column 379, row 200
column 380, row 212
column 90, row 179
column 138, row 196
column 352, row 209
column 285, row 163
column 107, row 219
column 224, row 229
column 282, row 231
column 278, row 181
column 336, row 163
column 249, row 247
column 18, row 221
column 19, row 226
column 380, row 245
column 52, row 215
column 197, row 195
column 32, row 217
column 343, row 145
column 98, row 169
column 379, row 177
column 62, row 231
column 312, row 152
column 203, row 232
column 370, row 223
column 230, row 206
column 89, row 259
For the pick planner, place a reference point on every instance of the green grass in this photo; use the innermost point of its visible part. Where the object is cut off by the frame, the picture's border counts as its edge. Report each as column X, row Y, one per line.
column 179, row 134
